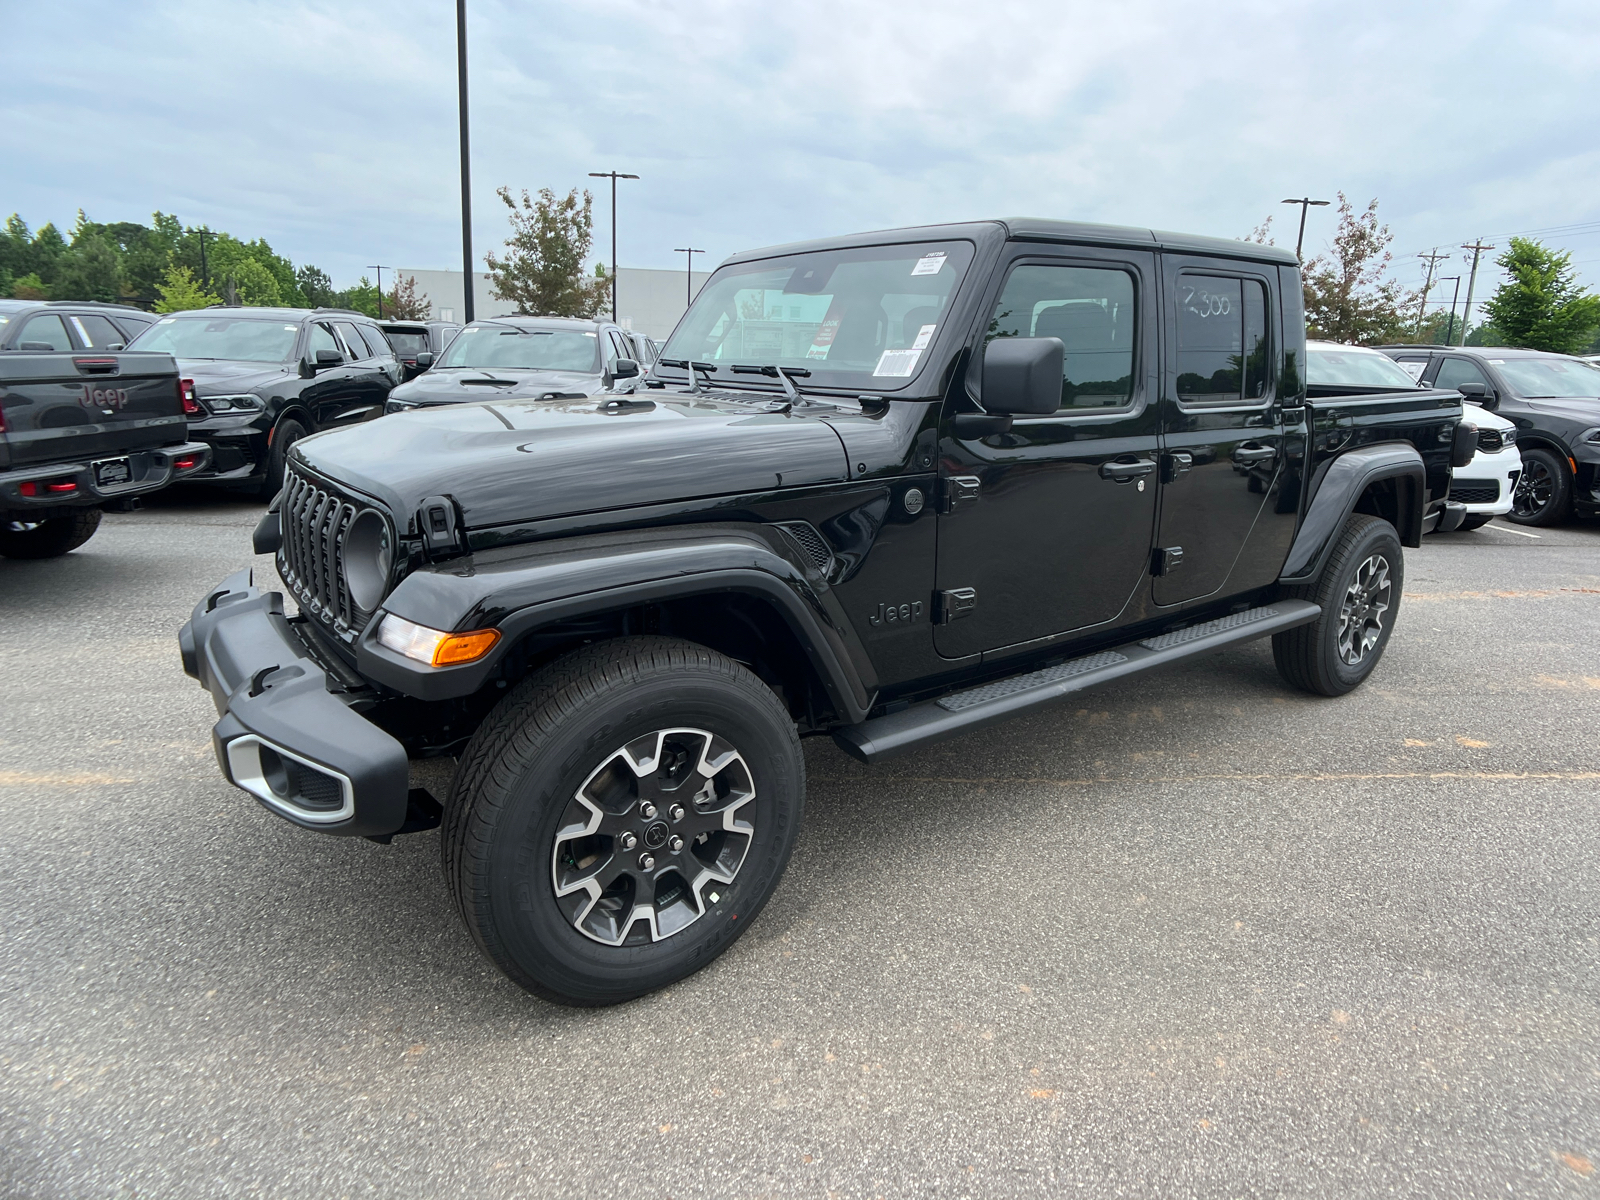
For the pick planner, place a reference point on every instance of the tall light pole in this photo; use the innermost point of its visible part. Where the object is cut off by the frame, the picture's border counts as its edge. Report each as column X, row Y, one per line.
column 205, row 275
column 466, row 171
column 1477, row 248
column 613, row 176
column 688, row 285
column 1450, row 330
column 1305, row 202
column 378, row 267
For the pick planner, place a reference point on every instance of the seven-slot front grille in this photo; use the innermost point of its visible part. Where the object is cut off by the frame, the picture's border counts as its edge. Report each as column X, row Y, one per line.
column 314, row 522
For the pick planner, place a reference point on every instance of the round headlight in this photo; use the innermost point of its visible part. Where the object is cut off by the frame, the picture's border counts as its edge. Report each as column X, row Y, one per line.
column 368, row 559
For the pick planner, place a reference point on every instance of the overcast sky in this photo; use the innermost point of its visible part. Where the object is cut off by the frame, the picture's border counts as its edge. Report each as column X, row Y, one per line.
column 330, row 129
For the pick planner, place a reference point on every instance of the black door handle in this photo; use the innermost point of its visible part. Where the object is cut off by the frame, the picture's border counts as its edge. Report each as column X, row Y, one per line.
column 1254, row 454
column 1126, row 468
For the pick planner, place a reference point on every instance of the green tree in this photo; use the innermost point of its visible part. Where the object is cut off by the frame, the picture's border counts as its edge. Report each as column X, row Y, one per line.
column 1541, row 306
column 1348, row 298
column 180, row 291
column 315, row 287
column 90, row 270
column 30, row 287
column 403, row 304
column 253, row 284
column 542, row 270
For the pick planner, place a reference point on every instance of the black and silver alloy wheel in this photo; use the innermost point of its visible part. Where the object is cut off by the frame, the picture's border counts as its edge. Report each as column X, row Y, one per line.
column 651, row 839
column 1366, row 600
column 1543, row 490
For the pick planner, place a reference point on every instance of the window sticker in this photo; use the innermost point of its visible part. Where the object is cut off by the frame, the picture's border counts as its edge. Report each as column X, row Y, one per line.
column 1413, row 369
column 924, row 337
column 898, row 364
column 1497, row 362
column 822, row 340
column 929, row 264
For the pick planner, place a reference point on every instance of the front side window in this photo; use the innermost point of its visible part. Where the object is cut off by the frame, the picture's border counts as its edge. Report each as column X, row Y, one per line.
column 1222, row 339
column 861, row 317
column 322, row 339
column 233, row 339
column 516, row 348
column 44, row 332
column 1091, row 309
column 1457, row 371
column 1413, row 367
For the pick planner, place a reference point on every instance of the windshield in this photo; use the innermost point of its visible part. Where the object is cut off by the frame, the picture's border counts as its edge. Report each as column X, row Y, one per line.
column 407, row 341
column 241, row 339
column 1349, row 366
column 852, row 318
column 1537, row 378
column 515, row 349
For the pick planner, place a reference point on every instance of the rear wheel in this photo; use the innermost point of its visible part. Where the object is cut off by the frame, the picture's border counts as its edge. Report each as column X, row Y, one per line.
column 1359, row 593
column 49, row 538
column 284, row 434
column 1543, row 494
column 621, row 817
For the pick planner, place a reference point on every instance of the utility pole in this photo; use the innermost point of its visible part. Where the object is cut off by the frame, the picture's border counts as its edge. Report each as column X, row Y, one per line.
column 379, row 269
column 1305, row 202
column 205, row 274
column 466, row 170
column 1422, row 309
column 1450, row 330
column 688, row 286
column 1477, row 248
column 613, row 176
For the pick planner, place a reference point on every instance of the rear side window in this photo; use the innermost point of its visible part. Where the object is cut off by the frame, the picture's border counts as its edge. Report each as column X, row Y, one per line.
column 1091, row 309
column 1457, row 371
column 44, row 332
column 1222, row 339
column 97, row 332
column 134, row 325
column 352, row 339
column 375, row 342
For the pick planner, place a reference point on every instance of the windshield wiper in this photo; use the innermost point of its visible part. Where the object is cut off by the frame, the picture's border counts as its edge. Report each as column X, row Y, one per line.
column 781, row 374
column 692, row 367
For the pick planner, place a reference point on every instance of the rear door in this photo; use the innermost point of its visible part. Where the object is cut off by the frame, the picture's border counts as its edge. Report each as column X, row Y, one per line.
column 1046, row 529
column 1221, row 427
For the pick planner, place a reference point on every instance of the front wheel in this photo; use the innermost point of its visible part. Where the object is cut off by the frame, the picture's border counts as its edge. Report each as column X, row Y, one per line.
column 621, row 817
column 284, row 435
column 1543, row 493
column 49, row 538
column 1359, row 593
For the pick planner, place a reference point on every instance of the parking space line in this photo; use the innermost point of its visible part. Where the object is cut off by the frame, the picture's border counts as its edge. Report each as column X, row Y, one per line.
column 1518, row 532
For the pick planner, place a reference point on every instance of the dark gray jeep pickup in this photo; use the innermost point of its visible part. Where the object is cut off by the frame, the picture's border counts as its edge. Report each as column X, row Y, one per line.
column 889, row 488
column 80, row 433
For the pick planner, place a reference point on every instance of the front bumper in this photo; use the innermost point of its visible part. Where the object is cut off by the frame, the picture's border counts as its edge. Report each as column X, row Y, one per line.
column 286, row 736
column 1486, row 473
column 149, row 471
column 239, row 450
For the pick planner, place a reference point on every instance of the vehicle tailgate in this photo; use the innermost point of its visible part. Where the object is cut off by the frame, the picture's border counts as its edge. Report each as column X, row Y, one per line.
column 76, row 406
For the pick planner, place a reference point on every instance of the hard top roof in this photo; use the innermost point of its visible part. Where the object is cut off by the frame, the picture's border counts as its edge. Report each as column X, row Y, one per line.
column 1036, row 229
column 266, row 313
column 1483, row 351
column 11, row 305
column 406, row 322
column 522, row 320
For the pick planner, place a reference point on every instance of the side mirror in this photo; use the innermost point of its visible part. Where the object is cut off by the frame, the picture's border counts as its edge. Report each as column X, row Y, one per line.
column 1478, row 393
column 1022, row 375
column 424, row 359
column 329, row 358
column 625, row 368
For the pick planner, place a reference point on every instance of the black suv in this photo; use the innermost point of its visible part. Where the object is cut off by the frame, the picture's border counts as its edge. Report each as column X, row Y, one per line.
column 887, row 488
column 1554, row 400
column 38, row 326
column 532, row 358
column 257, row 380
column 418, row 343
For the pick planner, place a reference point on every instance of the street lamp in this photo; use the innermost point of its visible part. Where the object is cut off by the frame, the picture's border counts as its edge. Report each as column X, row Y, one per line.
column 688, row 284
column 1305, row 202
column 613, row 176
column 466, row 173
column 205, row 275
column 378, row 267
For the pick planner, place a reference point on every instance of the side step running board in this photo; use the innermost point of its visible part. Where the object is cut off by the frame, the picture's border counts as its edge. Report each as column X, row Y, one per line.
column 881, row 737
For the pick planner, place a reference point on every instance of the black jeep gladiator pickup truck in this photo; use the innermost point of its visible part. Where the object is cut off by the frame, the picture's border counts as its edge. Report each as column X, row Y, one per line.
column 80, row 433
column 888, row 487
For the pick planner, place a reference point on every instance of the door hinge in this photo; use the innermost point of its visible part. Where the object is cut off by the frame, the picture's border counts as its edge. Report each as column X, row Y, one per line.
column 1175, row 464
column 953, row 603
column 955, row 488
column 1166, row 560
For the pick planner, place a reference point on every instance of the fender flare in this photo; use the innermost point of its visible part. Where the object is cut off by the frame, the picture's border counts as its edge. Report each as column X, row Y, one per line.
column 1341, row 487
column 520, row 589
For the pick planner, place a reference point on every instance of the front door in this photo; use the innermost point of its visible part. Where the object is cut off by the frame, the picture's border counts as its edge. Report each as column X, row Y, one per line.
column 1046, row 529
column 335, row 391
column 1222, row 430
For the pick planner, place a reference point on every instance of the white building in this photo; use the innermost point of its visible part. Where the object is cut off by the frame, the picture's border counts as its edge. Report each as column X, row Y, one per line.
column 648, row 300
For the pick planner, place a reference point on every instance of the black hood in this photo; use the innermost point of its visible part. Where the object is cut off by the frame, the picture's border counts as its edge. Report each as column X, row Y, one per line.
column 523, row 460
column 457, row 385
column 218, row 377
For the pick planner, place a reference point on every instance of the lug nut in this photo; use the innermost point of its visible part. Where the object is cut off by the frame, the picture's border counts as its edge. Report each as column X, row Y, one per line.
column 677, row 812
column 676, row 843
column 629, row 841
column 647, row 862
column 647, row 810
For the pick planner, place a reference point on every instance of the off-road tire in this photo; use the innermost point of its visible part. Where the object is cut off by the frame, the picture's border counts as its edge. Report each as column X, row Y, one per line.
column 1308, row 656
column 1474, row 521
column 1546, row 474
column 49, row 538
column 541, row 743
column 285, row 434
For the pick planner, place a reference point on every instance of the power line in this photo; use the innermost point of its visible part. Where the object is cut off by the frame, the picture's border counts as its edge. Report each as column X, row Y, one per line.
column 1477, row 249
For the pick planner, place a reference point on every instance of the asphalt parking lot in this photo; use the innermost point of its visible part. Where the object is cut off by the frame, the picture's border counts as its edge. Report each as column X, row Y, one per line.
column 1197, row 935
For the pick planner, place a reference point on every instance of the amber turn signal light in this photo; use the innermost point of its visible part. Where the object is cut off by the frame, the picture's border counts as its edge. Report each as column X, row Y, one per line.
column 434, row 646
column 465, row 647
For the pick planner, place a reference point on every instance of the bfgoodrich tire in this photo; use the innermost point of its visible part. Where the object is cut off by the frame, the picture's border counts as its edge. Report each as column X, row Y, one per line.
column 48, row 539
column 621, row 817
column 1359, row 592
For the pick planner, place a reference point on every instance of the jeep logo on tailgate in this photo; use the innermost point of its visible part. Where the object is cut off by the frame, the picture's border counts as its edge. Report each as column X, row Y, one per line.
column 105, row 399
